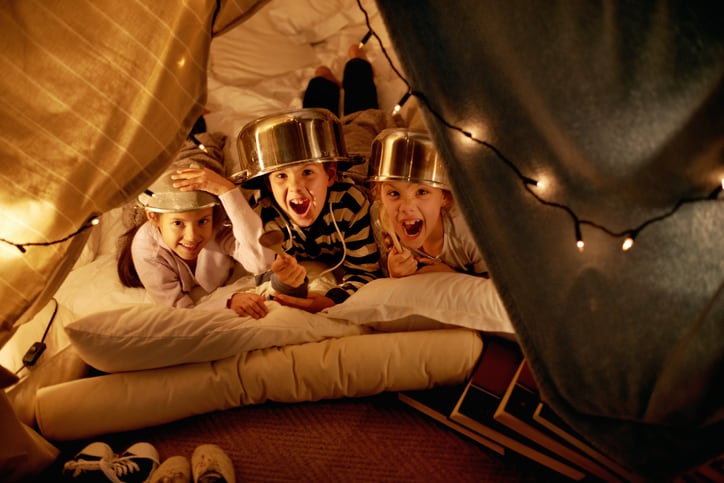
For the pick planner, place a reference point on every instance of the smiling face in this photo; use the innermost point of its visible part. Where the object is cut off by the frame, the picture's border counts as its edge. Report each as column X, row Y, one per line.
column 302, row 190
column 185, row 233
column 415, row 211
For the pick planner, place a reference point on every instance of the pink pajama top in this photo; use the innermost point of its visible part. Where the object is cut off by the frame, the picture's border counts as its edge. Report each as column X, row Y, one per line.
column 169, row 280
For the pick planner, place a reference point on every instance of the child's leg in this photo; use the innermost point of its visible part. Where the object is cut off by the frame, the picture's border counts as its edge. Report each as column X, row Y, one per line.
column 322, row 91
column 360, row 92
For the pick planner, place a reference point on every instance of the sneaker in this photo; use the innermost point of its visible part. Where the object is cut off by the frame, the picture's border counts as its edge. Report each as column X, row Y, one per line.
column 209, row 464
column 175, row 469
column 136, row 464
column 91, row 464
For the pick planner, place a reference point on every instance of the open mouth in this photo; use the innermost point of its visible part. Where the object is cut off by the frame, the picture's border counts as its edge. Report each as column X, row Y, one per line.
column 300, row 206
column 412, row 228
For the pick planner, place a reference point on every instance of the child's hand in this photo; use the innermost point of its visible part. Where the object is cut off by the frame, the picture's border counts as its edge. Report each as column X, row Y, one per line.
column 202, row 179
column 401, row 264
column 247, row 303
column 289, row 271
column 313, row 303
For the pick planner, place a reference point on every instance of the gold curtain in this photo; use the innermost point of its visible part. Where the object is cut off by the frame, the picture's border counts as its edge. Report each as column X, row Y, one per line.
column 95, row 97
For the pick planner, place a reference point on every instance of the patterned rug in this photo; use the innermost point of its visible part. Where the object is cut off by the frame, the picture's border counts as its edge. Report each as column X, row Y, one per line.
column 367, row 439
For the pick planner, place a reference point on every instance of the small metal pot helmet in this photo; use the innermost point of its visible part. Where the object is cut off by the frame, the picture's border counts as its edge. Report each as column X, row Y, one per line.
column 162, row 197
column 404, row 155
column 309, row 135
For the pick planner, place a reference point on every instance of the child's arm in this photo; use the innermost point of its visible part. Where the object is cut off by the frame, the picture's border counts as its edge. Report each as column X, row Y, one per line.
column 247, row 227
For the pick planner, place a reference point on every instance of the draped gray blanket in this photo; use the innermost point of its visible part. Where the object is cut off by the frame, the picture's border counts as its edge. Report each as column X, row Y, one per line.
column 616, row 109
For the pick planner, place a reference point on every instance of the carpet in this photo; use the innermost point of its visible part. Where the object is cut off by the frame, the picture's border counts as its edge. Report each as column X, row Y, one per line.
column 376, row 438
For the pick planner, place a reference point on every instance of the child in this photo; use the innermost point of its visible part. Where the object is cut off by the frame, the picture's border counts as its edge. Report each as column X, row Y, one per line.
column 292, row 159
column 415, row 209
column 184, row 250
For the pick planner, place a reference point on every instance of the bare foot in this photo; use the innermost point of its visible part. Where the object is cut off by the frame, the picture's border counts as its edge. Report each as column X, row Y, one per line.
column 325, row 72
column 355, row 51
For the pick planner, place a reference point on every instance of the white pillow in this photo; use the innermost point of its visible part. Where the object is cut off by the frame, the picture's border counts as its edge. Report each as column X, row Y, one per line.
column 425, row 300
column 144, row 336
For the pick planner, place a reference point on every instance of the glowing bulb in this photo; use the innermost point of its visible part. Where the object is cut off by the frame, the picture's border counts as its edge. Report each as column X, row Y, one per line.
column 579, row 238
column 627, row 243
column 365, row 39
column 401, row 103
column 530, row 181
column 202, row 147
column 95, row 221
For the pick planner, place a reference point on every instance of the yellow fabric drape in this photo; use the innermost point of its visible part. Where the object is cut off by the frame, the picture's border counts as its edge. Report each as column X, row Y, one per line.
column 95, row 97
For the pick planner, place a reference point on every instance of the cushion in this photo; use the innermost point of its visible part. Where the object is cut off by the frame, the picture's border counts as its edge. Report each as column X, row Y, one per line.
column 426, row 301
column 332, row 368
column 131, row 337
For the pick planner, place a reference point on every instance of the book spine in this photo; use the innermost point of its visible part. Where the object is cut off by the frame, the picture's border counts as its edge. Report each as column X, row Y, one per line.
column 516, row 411
column 476, row 408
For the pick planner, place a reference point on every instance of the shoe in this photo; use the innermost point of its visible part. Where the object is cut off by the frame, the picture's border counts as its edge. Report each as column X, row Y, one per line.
column 136, row 464
column 175, row 469
column 209, row 464
column 97, row 463
column 91, row 464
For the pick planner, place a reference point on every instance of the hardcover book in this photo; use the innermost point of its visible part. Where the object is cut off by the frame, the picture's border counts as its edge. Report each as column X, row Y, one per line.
column 522, row 410
column 438, row 404
column 481, row 397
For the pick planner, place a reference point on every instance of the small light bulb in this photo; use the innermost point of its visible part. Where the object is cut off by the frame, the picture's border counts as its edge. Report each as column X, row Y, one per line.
column 627, row 243
column 579, row 244
column 95, row 221
column 401, row 103
column 365, row 39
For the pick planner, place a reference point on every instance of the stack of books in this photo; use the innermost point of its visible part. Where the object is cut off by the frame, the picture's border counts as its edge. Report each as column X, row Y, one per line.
column 501, row 408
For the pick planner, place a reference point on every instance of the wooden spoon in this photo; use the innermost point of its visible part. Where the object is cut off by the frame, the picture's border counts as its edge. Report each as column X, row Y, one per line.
column 273, row 240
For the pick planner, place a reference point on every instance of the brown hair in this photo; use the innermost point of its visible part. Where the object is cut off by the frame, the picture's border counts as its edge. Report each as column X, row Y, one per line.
column 125, row 268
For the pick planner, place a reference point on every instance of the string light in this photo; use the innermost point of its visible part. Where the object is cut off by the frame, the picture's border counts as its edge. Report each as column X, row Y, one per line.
column 198, row 143
column 528, row 182
column 365, row 39
column 90, row 222
column 579, row 238
column 401, row 102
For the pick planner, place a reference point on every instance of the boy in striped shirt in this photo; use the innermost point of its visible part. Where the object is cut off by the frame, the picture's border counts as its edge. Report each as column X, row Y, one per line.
column 322, row 218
